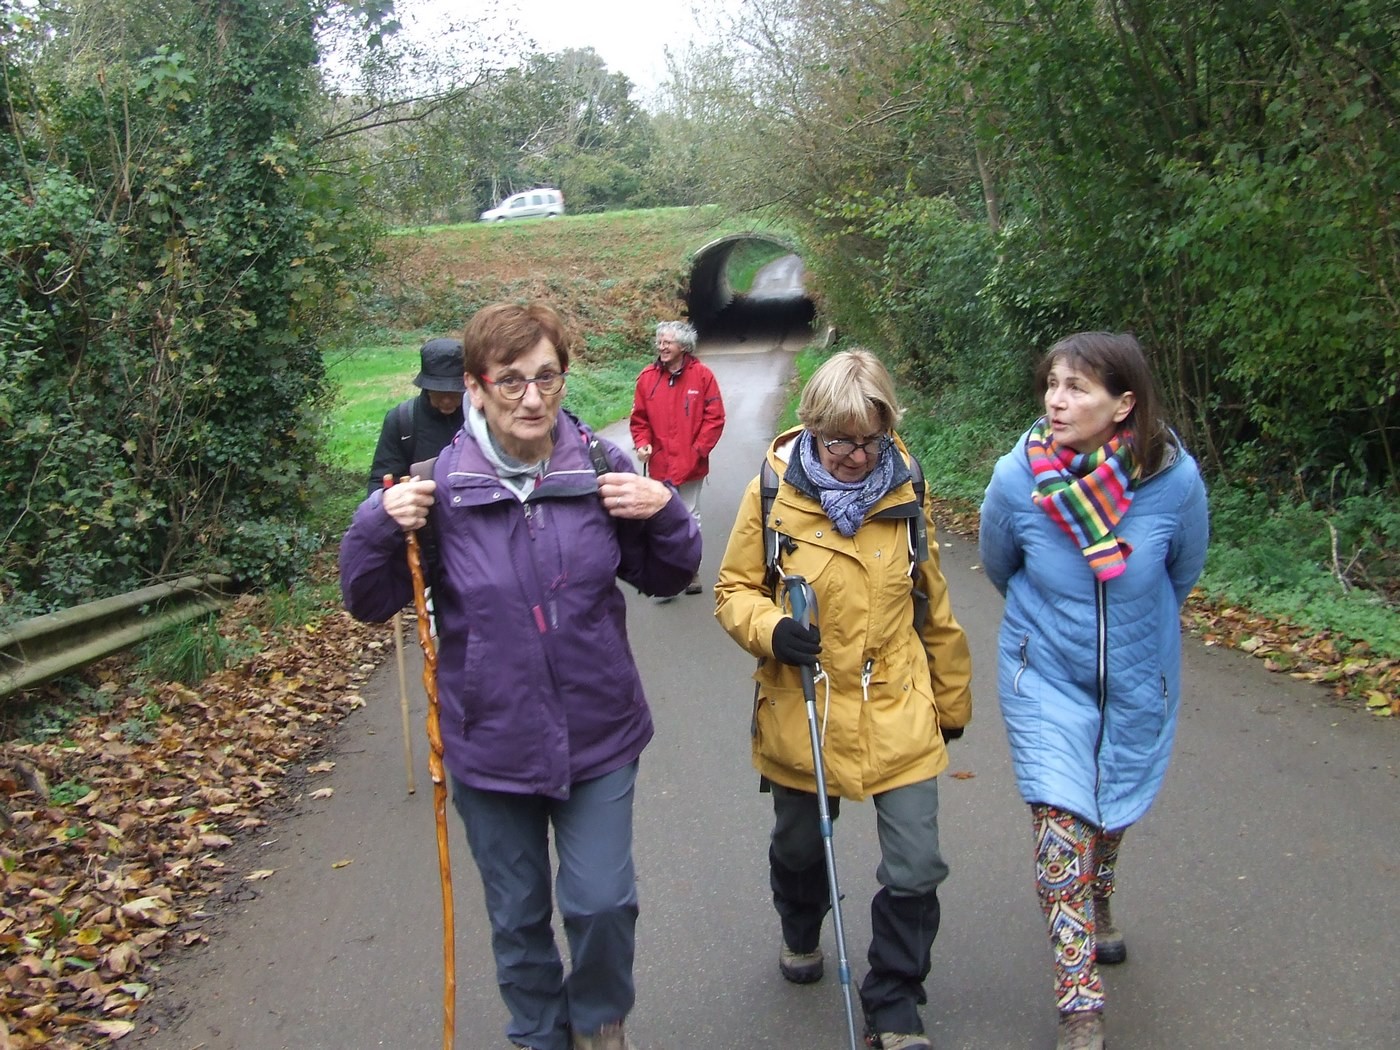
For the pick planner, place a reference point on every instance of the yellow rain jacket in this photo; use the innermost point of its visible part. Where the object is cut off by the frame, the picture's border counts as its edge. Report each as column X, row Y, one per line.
column 887, row 687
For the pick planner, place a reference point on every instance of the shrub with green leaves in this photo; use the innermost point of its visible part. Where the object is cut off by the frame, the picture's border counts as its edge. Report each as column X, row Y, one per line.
column 174, row 255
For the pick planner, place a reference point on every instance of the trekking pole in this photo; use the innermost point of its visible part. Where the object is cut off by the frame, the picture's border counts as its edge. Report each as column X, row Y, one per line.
column 435, row 771
column 803, row 601
column 403, row 703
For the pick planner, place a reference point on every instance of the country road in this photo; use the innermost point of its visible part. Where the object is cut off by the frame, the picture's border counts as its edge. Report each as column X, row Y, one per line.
column 1258, row 897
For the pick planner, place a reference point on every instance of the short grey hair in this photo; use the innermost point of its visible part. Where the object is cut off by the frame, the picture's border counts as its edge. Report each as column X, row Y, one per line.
column 681, row 331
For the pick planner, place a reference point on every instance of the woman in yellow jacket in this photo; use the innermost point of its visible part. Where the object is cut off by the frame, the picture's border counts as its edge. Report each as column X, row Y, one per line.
column 889, row 691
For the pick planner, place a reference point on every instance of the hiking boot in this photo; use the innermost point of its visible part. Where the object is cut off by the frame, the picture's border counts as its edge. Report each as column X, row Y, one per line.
column 902, row 1041
column 694, row 586
column 1109, row 948
column 1081, row 1030
column 801, row 967
column 609, row 1037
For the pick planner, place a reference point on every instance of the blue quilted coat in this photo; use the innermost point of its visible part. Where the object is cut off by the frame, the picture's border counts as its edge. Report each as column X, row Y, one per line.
column 1089, row 672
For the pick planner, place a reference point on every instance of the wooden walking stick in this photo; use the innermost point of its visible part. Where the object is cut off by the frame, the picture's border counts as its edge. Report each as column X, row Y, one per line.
column 425, row 639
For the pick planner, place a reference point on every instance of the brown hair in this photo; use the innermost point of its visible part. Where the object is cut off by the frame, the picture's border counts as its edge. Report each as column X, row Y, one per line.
column 1116, row 360
column 502, row 332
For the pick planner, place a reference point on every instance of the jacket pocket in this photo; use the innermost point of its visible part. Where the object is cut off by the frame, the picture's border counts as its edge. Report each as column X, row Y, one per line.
column 783, row 736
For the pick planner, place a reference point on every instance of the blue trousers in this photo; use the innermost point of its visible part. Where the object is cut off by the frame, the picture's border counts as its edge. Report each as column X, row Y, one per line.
column 904, row 913
column 596, row 886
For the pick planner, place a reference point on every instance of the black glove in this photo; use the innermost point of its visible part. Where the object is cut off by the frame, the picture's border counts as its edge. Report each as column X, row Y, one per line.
column 795, row 644
column 951, row 732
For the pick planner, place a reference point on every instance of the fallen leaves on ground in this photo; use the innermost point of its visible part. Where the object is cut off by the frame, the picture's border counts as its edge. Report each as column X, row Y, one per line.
column 117, row 828
column 1346, row 668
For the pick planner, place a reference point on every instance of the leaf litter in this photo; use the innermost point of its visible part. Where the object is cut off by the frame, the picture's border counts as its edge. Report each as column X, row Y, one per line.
column 97, row 879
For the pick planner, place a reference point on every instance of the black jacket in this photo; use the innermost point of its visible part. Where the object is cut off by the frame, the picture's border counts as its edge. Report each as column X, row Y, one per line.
column 427, row 433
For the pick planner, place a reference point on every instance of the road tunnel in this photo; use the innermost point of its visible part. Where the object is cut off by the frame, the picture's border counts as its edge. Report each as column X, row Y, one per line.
column 775, row 309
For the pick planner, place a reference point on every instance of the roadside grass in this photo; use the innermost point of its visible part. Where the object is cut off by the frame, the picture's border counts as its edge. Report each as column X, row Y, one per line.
column 373, row 379
column 368, row 379
column 612, row 275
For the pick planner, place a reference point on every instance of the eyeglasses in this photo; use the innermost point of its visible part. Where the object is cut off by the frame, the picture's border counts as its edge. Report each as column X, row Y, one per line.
column 513, row 388
column 843, row 447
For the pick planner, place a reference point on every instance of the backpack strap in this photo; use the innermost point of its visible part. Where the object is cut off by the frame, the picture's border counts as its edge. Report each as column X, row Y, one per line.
column 407, row 413
column 920, row 526
column 596, row 454
column 918, row 543
column 775, row 544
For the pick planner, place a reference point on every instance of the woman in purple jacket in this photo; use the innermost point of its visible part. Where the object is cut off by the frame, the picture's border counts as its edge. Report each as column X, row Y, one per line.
column 541, row 704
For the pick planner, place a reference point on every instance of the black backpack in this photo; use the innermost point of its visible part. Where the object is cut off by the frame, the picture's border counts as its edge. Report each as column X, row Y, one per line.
column 776, row 544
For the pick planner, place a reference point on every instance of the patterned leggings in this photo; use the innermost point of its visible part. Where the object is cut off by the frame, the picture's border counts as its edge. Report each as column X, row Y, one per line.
column 1074, row 865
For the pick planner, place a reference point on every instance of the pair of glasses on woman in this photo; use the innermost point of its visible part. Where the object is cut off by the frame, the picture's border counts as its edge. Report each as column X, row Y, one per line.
column 513, row 388
column 841, row 447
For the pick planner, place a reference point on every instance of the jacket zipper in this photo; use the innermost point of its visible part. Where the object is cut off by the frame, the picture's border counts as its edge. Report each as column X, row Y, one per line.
column 1101, row 678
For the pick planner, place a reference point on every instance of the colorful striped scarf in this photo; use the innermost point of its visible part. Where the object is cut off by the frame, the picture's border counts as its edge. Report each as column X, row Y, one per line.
column 1086, row 494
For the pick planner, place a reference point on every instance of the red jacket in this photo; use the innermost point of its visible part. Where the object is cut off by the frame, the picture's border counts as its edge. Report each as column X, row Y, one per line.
column 681, row 417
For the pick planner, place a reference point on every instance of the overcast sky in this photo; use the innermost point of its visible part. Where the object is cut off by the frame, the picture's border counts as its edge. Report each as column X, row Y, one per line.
column 631, row 36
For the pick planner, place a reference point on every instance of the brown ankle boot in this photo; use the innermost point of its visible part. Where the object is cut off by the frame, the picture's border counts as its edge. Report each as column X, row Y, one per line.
column 1081, row 1030
column 1109, row 949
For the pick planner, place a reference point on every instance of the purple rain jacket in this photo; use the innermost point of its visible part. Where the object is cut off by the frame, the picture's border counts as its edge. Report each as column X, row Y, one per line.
column 537, row 686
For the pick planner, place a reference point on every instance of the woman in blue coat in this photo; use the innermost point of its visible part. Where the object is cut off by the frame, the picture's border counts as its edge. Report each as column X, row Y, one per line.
column 541, row 707
column 1094, row 529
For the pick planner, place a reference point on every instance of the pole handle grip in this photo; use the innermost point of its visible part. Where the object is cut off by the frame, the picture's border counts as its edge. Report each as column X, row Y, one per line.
column 801, row 598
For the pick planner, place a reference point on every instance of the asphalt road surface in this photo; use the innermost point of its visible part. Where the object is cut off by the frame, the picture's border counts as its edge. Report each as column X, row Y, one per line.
column 1260, row 897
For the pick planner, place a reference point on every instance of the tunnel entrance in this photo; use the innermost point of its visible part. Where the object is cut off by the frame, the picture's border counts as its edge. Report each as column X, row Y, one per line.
column 775, row 309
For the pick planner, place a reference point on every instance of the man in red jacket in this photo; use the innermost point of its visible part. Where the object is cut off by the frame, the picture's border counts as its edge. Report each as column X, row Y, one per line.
column 677, row 417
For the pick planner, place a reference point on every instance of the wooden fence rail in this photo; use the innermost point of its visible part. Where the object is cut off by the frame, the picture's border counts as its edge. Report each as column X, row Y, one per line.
column 54, row 644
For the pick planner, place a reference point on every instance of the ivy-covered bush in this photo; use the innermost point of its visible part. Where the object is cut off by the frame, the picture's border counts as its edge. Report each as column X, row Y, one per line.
column 173, row 256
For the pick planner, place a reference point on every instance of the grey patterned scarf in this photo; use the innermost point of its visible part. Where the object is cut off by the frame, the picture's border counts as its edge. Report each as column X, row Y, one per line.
column 847, row 502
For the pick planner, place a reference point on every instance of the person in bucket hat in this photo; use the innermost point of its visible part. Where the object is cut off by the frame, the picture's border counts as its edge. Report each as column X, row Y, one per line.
column 417, row 429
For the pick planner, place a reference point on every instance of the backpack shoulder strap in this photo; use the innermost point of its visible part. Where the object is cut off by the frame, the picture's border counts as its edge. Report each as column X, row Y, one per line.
column 919, row 525
column 407, row 410
column 597, row 455
column 773, row 544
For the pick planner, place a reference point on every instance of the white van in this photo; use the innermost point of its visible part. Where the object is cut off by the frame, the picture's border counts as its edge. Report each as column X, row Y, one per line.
column 527, row 205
